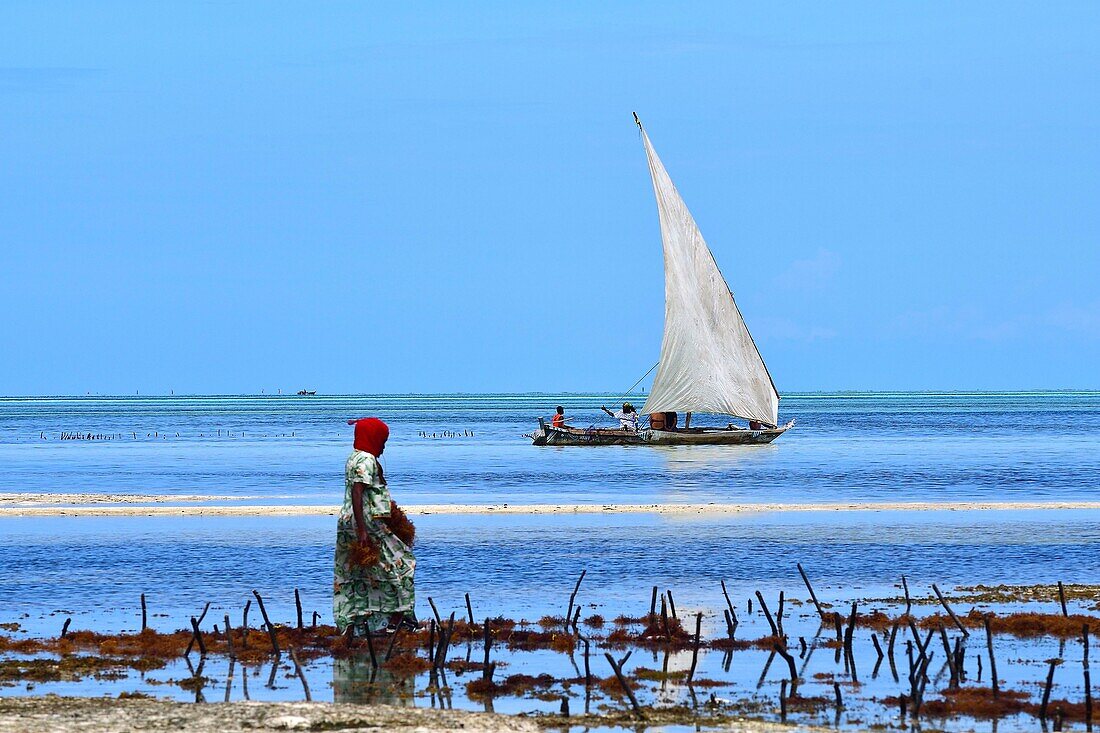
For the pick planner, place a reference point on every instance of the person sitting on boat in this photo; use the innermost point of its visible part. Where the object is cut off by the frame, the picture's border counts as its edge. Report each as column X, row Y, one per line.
column 559, row 417
column 627, row 417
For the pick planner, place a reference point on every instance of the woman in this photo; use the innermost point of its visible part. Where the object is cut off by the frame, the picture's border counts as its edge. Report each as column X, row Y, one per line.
column 370, row 595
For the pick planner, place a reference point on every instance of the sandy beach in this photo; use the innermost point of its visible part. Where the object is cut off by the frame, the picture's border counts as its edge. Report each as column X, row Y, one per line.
column 135, row 505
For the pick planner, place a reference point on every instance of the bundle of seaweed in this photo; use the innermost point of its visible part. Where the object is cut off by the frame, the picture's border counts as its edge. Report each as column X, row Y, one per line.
column 363, row 553
column 1021, row 625
column 516, row 685
column 398, row 523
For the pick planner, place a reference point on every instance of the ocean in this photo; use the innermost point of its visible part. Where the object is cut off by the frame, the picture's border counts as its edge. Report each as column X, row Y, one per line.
column 467, row 449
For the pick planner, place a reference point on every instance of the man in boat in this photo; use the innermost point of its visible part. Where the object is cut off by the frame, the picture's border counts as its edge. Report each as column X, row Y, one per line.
column 559, row 417
column 627, row 417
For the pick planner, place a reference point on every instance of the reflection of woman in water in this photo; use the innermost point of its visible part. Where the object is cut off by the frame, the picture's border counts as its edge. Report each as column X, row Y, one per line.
column 374, row 561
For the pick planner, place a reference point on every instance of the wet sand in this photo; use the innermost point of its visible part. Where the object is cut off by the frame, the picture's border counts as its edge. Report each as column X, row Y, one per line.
column 136, row 505
column 51, row 714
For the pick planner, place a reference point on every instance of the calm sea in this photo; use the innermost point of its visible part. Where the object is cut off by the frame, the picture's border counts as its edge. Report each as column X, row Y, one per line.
column 470, row 449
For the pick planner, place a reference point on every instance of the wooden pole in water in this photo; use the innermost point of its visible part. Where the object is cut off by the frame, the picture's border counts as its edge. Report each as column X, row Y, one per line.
column 267, row 622
column 144, row 617
column 992, row 659
column 486, row 671
column 767, row 613
column 198, row 636
column 298, row 607
column 244, row 624
column 671, row 604
column 943, row 602
column 573, row 597
column 908, row 600
column 729, row 604
column 813, row 596
column 653, row 603
column 65, row 627
column 393, row 638
column 626, row 686
column 1088, row 682
column 370, row 647
column 438, row 618
column 470, row 610
column 781, row 650
column 1062, row 599
column 695, row 646
column 229, row 639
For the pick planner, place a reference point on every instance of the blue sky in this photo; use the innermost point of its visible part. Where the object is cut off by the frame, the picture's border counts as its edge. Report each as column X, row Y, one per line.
column 364, row 197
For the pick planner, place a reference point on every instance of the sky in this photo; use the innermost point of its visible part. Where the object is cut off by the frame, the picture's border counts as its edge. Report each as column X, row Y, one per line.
column 229, row 197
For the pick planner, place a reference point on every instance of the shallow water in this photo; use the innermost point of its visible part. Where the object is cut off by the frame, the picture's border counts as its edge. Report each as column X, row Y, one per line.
column 94, row 569
column 899, row 447
column 886, row 447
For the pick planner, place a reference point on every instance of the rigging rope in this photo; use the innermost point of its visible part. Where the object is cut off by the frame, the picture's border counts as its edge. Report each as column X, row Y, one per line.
column 628, row 391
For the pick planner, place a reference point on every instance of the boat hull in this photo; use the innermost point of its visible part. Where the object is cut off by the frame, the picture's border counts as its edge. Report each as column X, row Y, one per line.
column 549, row 435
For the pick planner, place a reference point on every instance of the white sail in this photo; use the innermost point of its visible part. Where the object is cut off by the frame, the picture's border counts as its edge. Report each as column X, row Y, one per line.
column 709, row 362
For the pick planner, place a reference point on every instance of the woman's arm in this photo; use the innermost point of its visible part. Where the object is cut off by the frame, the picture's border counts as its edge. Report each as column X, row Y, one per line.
column 357, row 490
column 609, row 412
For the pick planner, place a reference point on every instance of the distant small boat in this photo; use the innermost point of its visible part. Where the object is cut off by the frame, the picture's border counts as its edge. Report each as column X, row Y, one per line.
column 306, row 392
column 709, row 361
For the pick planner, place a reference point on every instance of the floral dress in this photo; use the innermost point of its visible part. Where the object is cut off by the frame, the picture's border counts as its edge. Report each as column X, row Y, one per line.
column 366, row 597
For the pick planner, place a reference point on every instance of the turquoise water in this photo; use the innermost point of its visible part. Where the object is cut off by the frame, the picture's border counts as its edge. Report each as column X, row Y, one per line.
column 880, row 446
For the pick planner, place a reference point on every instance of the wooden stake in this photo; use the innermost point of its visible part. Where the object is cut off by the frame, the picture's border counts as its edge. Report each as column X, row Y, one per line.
column 298, row 606
column 393, row 638
column 1088, row 682
column 695, row 646
column 198, row 636
column 767, row 613
column 781, row 650
column 992, row 659
column 943, row 602
column 65, row 627
column 813, row 596
column 671, row 604
column 229, row 639
column 486, row 670
column 729, row 604
column 626, row 686
column 370, row 646
column 144, row 620
column 653, row 603
column 244, row 626
column 267, row 622
column 1062, row 599
column 470, row 610
column 908, row 600
column 573, row 597
column 438, row 618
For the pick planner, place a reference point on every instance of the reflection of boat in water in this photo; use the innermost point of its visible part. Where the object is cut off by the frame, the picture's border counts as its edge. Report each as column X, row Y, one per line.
column 709, row 361
column 306, row 392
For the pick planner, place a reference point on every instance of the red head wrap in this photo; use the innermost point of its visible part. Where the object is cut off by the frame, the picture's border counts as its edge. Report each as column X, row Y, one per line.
column 370, row 435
